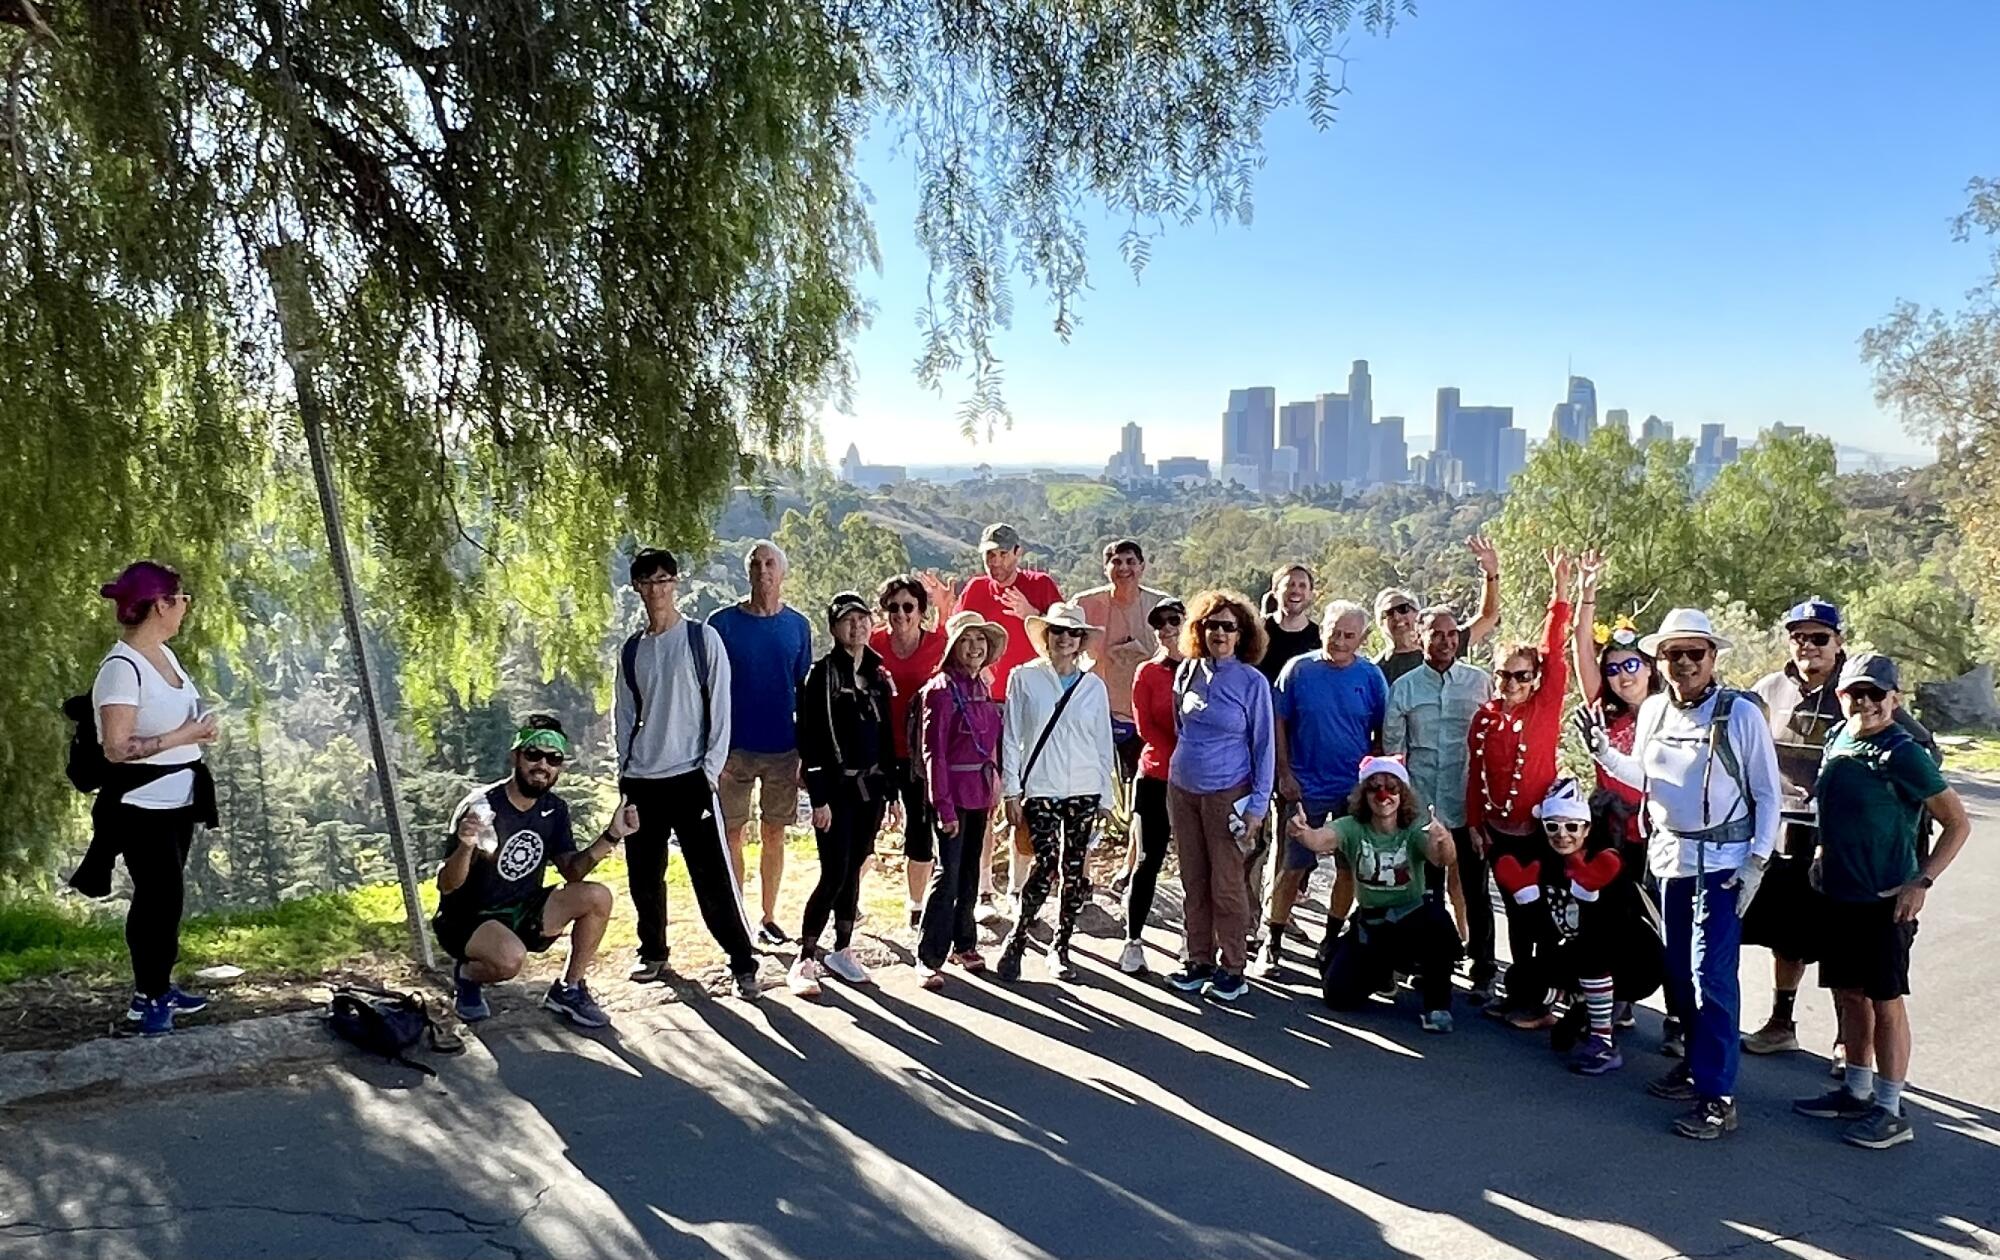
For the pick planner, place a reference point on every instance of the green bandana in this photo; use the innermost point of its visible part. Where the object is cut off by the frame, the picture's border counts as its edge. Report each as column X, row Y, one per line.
column 537, row 737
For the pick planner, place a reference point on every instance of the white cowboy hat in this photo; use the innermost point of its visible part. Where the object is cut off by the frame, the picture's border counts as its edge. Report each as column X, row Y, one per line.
column 963, row 623
column 1060, row 613
column 1682, row 623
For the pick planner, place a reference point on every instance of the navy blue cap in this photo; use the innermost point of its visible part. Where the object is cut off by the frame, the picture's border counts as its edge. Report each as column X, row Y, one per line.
column 1813, row 609
column 1869, row 667
column 843, row 604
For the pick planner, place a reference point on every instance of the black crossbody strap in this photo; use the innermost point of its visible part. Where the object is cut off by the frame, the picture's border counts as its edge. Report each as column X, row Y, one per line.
column 1055, row 716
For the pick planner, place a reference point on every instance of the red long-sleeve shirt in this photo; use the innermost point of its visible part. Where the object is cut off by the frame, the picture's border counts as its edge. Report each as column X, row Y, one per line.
column 1153, row 712
column 1513, row 754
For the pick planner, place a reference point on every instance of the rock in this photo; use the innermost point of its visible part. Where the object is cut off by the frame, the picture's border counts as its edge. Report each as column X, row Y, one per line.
column 1965, row 703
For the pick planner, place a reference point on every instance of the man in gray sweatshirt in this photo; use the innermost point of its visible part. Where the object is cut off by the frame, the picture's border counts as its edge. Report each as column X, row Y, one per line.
column 670, row 710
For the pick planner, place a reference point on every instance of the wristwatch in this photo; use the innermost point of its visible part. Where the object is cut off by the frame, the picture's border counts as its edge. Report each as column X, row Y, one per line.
column 1926, row 881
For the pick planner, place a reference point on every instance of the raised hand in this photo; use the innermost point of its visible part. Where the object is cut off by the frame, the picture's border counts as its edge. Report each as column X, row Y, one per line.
column 1488, row 555
column 1588, row 723
column 1435, row 827
column 1018, row 604
column 1590, row 565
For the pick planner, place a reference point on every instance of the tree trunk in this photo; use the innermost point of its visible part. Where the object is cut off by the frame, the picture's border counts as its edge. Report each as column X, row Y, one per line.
column 285, row 265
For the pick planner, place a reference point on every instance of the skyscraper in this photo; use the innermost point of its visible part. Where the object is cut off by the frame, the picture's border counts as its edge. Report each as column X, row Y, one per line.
column 1129, row 464
column 1249, row 428
column 1391, row 454
column 1583, row 398
column 1298, row 428
column 1361, row 395
column 1333, row 439
column 1474, row 437
column 1656, row 430
column 1620, row 419
column 1447, row 410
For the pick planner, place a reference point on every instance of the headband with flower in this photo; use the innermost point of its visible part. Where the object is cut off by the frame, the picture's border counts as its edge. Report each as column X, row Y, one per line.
column 1624, row 632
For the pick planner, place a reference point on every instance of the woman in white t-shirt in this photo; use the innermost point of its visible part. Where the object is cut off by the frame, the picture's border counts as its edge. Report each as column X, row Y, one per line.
column 152, row 724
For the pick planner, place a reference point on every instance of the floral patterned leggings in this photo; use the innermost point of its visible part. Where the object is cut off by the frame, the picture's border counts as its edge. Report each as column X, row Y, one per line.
column 1060, row 830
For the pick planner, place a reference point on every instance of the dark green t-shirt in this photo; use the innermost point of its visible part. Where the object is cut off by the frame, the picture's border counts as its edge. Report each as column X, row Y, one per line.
column 1871, row 793
column 1388, row 866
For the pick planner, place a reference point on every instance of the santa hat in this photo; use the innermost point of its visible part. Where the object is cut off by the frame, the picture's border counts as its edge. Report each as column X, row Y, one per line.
column 1565, row 800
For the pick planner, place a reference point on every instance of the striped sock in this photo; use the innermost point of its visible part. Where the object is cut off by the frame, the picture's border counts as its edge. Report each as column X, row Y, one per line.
column 1597, row 1001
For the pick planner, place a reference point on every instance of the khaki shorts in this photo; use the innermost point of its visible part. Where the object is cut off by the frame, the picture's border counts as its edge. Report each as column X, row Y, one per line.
column 772, row 772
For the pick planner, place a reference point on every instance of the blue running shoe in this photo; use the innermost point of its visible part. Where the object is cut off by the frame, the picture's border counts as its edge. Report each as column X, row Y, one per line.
column 183, row 1002
column 467, row 1000
column 1225, row 986
column 1594, row 1056
column 574, row 1003
column 158, row 1020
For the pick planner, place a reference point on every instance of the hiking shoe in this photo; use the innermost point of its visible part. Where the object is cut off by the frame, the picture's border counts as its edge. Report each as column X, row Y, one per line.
column 1878, row 1130
column 1835, row 1104
column 158, row 1020
column 574, row 1003
column 803, row 978
column 1061, row 968
column 1676, row 1086
column 1479, row 985
column 467, row 998
column 1673, row 1043
column 649, row 971
column 1435, row 1021
column 969, row 960
column 1533, row 1019
column 929, row 978
column 1132, row 960
column 1192, row 977
column 745, row 983
column 1296, row 933
column 1707, row 1120
column 1271, row 957
column 1010, row 960
column 1225, row 986
column 843, row 963
column 1594, row 1056
column 1775, row 1037
column 772, row 934
column 1622, row 1016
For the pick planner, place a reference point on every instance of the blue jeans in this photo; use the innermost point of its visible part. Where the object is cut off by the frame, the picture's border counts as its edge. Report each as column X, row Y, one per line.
column 1704, row 939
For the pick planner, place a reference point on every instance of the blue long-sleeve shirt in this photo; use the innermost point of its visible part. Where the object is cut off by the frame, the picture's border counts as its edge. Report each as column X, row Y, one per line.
column 1225, row 732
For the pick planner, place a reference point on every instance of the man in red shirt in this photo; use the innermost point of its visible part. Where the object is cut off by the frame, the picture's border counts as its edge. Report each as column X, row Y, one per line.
column 1008, row 594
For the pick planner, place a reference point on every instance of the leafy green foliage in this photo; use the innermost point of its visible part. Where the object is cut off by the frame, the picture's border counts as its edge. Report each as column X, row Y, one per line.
column 826, row 559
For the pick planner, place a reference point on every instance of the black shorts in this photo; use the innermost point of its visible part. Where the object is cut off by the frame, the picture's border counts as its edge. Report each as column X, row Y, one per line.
column 1865, row 948
column 919, row 840
column 1789, row 915
column 523, row 918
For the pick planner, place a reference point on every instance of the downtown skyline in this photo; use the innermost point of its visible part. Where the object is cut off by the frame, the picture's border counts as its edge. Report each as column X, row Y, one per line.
column 1467, row 223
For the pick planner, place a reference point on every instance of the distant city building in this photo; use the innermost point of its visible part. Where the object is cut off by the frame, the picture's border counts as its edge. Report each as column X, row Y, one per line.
column 1284, row 475
column 1335, row 429
column 1129, row 464
column 1656, row 430
column 1181, row 468
column 1575, row 418
column 869, row 476
column 1391, row 453
column 1713, row 451
column 1249, row 430
column 1360, row 394
column 1620, row 419
column 1779, row 432
column 1242, row 473
column 1298, row 428
column 1477, row 438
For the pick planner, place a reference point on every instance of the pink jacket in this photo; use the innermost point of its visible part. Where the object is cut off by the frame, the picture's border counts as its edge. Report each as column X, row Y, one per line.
column 960, row 733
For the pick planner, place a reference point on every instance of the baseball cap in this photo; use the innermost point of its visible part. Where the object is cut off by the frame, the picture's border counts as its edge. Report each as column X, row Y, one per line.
column 999, row 537
column 1392, row 596
column 1813, row 609
column 1872, row 668
column 1164, row 609
column 844, row 603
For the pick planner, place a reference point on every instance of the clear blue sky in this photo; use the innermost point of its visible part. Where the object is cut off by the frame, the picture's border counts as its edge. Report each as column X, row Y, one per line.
column 1700, row 205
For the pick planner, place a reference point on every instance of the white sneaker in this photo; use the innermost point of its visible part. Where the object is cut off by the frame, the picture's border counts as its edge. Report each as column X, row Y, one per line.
column 844, row 964
column 803, row 978
column 1133, row 960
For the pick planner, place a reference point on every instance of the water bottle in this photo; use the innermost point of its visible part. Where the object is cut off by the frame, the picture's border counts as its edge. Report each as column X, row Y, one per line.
column 488, row 839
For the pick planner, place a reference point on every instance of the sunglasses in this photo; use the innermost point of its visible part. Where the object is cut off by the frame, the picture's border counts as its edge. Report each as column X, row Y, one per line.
column 1874, row 695
column 1514, row 675
column 1213, row 626
column 1168, row 621
column 1065, row 631
column 1694, row 656
column 538, row 755
column 1817, row 638
column 1630, row 665
column 1399, row 610
column 1564, row 826
column 901, row 606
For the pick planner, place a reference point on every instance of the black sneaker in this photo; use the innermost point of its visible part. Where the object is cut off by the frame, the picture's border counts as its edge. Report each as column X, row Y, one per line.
column 1878, row 1130
column 574, row 1003
column 1834, row 1104
column 1009, row 966
column 649, row 971
column 1192, row 977
column 1061, row 968
column 1622, row 1017
column 1225, row 986
column 772, row 934
column 1676, row 1086
column 1271, row 957
column 746, row 984
column 1673, row 1043
column 1708, row 1120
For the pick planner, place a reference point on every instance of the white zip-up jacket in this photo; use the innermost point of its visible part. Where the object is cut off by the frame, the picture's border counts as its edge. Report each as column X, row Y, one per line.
column 1669, row 763
column 1077, row 759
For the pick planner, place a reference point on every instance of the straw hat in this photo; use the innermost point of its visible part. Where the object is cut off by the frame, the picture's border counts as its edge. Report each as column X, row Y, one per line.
column 964, row 623
column 1060, row 613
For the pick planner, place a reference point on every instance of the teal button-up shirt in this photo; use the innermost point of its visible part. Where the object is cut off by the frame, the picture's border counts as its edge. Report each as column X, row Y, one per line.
column 1428, row 721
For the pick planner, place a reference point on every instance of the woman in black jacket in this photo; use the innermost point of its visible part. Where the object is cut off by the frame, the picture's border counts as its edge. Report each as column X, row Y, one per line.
column 846, row 749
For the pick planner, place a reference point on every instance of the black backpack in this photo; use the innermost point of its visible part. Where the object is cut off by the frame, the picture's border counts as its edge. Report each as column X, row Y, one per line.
column 386, row 1023
column 628, row 662
column 87, row 766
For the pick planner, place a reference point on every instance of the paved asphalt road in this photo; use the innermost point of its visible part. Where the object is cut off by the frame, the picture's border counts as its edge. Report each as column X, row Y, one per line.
column 1112, row 1120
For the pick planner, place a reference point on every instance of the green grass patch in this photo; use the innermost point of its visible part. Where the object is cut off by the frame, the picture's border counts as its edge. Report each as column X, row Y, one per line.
column 1971, row 754
column 1306, row 514
column 1080, row 496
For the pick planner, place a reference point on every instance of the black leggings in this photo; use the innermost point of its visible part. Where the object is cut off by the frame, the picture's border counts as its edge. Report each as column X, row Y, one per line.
column 919, row 841
column 155, row 844
column 1472, row 881
column 1523, row 939
column 1149, row 810
column 1372, row 949
column 844, row 845
column 949, row 925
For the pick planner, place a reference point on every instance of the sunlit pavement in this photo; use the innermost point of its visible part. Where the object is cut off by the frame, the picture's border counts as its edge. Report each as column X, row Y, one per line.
column 1112, row 1119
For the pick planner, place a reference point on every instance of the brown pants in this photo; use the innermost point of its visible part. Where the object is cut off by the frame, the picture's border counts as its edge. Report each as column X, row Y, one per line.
column 1215, row 904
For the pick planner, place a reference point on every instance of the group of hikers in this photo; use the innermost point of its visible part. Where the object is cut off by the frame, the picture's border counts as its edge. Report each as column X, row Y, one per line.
column 1807, row 814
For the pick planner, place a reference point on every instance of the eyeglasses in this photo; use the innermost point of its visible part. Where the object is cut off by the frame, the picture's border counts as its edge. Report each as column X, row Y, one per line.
column 1630, row 665
column 900, row 606
column 1514, row 675
column 185, row 599
column 549, row 755
column 1065, row 631
column 1692, row 656
column 1873, row 695
column 1565, row 826
column 1212, row 626
column 666, row 579
column 1817, row 638
column 1400, row 610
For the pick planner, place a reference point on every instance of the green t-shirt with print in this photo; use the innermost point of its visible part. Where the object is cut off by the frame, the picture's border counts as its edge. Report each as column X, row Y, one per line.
column 1388, row 866
column 1871, row 793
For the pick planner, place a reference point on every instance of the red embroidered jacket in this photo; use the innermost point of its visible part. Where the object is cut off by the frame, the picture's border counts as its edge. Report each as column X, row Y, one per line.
column 1513, row 754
